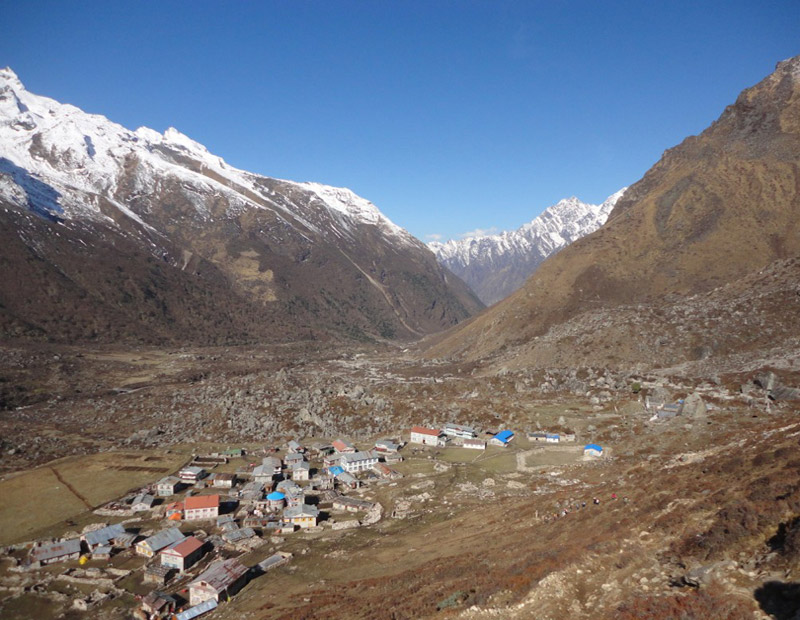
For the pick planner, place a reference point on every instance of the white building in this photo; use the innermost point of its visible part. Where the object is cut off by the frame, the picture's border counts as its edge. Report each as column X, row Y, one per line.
column 427, row 436
column 301, row 471
column 459, row 430
column 199, row 507
column 168, row 486
column 358, row 461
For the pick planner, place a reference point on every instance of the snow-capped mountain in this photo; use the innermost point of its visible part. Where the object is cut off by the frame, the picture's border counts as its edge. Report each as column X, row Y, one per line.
column 312, row 257
column 494, row 266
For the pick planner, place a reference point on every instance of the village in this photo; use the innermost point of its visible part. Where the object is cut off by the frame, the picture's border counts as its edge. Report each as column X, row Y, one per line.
column 190, row 541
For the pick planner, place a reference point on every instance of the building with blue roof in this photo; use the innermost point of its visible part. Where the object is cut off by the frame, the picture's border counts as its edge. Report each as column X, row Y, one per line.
column 276, row 500
column 592, row 449
column 503, row 438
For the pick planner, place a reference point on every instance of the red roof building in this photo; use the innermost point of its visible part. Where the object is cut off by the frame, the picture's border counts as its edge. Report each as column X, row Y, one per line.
column 200, row 507
column 182, row 554
column 427, row 436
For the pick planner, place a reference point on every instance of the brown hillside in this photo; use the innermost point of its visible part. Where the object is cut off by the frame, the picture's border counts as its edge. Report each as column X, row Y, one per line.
column 715, row 208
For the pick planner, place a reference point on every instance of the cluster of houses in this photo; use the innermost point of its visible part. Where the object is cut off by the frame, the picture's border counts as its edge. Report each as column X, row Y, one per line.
column 270, row 498
column 273, row 497
column 467, row 437
column 464, row 436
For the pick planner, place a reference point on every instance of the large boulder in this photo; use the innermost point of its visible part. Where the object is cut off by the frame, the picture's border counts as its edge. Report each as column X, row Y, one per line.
column 694, row 406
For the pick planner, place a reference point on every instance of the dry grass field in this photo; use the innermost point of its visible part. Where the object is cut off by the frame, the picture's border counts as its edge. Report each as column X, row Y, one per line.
column 36, row 500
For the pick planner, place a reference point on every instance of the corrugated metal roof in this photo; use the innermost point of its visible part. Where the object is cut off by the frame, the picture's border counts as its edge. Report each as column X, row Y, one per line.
column 347, row 478
column 163, row 538
column 197, row 610
column 276, row 559
column 221, row 574
column 287, row 485
column 271, row 461
column 593, row 446
column 239, row 534
column 504, row 436
column 304, row 510
column 355, row 457
column 56, row 550
column 458, row 427
column 143, row 498
column 103, row 535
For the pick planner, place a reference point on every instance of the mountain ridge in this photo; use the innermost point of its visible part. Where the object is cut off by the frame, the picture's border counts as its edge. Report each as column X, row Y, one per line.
column 496, row 265
column 303, row 257
column 713, row 210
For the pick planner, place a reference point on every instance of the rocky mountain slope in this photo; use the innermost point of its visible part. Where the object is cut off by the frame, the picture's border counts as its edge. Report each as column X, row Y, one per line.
column 112, row 234
column 717, row 208
column 494, row 266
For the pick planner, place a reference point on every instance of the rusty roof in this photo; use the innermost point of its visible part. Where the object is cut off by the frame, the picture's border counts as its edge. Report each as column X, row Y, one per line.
column 56, row 550
column 201, row 501
column 425, row 431
column 184, row 547
column 221, row 575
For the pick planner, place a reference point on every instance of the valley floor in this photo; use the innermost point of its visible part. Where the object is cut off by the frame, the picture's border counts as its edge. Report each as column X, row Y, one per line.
column 697, row 515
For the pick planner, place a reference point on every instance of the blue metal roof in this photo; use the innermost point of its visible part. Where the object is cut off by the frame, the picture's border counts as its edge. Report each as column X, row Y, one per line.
column 336, row 470
column 593, row 446
column 504, row 436
column 275, row 496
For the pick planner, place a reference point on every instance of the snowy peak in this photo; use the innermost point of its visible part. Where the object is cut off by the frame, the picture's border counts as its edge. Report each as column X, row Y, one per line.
column 84, row 153
column 165, row 229
column 9, row 80
column 496, row 265
column 559, row 224
column 347, row 203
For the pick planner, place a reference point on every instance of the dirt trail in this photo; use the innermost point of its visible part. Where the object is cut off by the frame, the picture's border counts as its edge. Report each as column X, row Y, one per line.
column 521, row 462
column 71, row 488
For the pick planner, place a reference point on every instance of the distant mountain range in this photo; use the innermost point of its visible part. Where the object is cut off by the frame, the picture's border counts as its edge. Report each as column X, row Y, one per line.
column 494, row 266
column 697, row 262
column 109, row 234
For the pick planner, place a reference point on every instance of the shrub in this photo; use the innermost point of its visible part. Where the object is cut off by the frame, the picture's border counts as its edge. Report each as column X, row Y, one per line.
column 711, row 602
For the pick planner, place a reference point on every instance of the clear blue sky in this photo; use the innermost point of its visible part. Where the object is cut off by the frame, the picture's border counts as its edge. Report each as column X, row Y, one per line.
column 449, row 116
